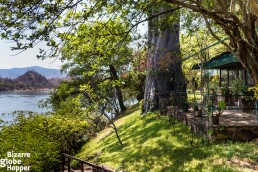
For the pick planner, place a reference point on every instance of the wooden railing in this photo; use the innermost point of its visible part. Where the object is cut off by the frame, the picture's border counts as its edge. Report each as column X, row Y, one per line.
column 95, row 168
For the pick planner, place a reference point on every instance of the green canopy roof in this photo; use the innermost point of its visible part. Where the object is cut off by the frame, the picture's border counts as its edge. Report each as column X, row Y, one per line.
column 224, row 60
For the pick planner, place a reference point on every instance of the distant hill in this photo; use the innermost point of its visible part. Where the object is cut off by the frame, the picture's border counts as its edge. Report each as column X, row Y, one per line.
column 15, row 72
column 32, row 80
column 7, row 84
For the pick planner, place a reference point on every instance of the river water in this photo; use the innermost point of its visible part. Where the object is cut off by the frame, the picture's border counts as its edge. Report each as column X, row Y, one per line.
column 11, row 101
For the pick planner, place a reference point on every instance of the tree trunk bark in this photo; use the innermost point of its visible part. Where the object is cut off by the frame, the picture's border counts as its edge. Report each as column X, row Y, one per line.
column 247, row 52
column 164, row 65
column 118, row 89
column 251, row 62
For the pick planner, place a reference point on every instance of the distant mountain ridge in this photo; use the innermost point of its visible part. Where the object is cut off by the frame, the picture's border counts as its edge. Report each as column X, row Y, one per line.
column 46, row 72
column 31, row 80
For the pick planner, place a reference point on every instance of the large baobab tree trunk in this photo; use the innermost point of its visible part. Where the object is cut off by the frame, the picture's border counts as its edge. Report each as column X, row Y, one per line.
column 164, row 65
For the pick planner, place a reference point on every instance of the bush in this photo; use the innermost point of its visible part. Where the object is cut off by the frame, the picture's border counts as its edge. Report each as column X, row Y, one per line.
column 45, row 138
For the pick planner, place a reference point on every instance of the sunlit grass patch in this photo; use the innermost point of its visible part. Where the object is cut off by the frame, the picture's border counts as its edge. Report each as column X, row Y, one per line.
column 155, row 144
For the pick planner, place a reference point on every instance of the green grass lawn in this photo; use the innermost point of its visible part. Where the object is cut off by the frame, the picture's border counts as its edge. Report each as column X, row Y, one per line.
column 155, row 144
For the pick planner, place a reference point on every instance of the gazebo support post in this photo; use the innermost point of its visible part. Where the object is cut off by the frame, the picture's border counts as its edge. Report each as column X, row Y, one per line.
column 256, row 110
column 219, row 77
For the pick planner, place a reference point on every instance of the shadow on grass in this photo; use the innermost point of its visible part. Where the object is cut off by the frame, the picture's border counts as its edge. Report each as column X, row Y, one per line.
column 146, row 139
column 152, row 144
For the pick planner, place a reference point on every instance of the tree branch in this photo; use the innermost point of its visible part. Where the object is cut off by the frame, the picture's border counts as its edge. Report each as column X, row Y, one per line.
column 204, row 11
column 156, row 15
column 147, row 19
column 216, row 37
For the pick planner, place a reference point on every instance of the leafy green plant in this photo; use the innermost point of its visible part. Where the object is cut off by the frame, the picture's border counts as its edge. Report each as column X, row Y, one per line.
column 220, row 108
column 224, row 90
column 45, row 138
column 255, row 89
column 214, row 82
column 195, row 107
column 237, row 85
column 249, row 96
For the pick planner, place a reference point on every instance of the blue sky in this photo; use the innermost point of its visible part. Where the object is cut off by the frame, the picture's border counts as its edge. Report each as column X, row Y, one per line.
column 8, row 59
